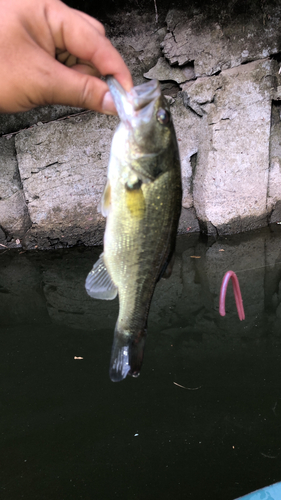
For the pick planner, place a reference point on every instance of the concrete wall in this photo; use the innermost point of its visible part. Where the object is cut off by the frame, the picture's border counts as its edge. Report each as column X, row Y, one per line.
column 220, row 71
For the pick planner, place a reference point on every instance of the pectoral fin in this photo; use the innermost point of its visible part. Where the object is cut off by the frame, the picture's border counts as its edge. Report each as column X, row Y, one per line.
column 105, row 203
column 99, row 284
column 135, row 203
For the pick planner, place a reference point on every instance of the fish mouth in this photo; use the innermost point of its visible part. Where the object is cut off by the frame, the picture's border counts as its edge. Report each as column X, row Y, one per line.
column 136, row 105
column 144, row 94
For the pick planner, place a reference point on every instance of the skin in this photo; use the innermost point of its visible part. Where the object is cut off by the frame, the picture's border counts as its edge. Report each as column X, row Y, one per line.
column 38, row 39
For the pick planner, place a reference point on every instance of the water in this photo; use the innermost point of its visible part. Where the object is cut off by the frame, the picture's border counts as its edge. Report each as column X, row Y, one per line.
column 68, row 432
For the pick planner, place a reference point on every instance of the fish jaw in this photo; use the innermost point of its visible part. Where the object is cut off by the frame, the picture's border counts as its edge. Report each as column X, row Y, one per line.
column 123, row 104
column 136, row 106
column 145, row 115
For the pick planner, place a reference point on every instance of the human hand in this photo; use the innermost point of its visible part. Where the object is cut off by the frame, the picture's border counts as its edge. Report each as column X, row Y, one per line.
column 35, row 35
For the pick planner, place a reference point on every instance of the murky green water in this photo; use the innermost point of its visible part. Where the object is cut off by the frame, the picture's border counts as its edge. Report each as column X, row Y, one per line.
column 68, row 432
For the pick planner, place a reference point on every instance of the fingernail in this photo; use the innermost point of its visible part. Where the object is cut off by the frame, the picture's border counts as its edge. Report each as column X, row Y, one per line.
column 108, row 106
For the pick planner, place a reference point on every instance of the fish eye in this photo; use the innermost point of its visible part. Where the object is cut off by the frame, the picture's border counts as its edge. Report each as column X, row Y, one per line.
column 163, row 116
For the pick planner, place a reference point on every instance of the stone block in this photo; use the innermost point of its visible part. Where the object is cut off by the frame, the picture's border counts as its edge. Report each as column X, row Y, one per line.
column 14, row 218
column 274, row 176
column 63, row 171
column 188, row 222
column 230, row 182
column 218, row 39
column 162, row 71
column 10, row 123
column 140, row 44
column 187, row 125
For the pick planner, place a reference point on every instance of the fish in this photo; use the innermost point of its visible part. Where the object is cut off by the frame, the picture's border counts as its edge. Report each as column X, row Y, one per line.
column 142, row 204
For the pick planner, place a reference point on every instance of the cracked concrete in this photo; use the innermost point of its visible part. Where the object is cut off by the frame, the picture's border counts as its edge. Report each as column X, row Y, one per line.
column 274, row 175
column 235, row 135
column 63, row 171
column 14, row 217
column 215, row 43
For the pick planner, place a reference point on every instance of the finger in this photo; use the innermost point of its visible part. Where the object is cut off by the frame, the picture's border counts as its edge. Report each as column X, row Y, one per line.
column 74, row 88
column 76, row 34
column 85, row 68
column 78, row 64
column 94, row 22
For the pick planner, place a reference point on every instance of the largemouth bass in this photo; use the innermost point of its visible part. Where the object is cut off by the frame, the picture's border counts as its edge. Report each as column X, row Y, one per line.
column 142, row 203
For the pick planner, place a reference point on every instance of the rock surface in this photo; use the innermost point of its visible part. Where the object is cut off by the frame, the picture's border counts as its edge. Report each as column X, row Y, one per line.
column 14, row 217
column 231, row 176
column 219, row 42
column 218, row 64
column 13, row 123
column 63, row 170
column 162, row 71
column 274, row 175
column 187, row 126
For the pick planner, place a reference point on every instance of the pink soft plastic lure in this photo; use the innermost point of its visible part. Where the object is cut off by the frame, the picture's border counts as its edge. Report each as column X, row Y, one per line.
column 237, row 294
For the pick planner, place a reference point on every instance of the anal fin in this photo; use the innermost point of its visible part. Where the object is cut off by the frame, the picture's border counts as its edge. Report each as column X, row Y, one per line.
column 99, row 284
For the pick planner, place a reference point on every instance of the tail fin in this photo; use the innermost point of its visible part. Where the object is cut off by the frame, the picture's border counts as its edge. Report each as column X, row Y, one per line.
column 126, row 355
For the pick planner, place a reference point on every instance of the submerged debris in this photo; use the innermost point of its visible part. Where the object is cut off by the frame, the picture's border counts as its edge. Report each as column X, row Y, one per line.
column 188, row 388
column 237, row 294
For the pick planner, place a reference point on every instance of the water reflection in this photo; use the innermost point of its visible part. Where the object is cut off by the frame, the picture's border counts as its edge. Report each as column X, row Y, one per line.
column 68, row 432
